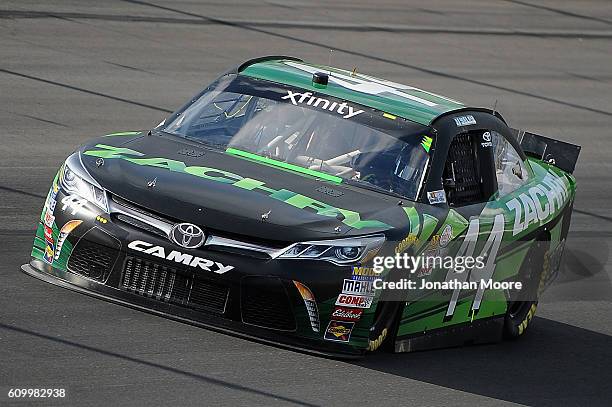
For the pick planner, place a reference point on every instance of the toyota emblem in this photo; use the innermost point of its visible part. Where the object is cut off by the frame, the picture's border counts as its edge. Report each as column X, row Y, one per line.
column 187, row 235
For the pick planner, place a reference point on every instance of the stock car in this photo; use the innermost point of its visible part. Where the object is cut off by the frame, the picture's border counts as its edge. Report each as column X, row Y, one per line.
column 259, row 208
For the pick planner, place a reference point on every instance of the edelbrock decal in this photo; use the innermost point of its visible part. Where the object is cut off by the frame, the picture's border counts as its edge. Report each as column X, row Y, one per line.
column 178, row 257
column 347, row 314
column 322, row 103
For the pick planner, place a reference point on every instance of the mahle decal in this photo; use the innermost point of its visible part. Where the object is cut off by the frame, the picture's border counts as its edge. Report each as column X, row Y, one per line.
column 350, row 218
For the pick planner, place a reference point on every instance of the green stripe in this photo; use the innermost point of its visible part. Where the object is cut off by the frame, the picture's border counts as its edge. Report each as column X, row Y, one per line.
column 123, row 133
column 281, row 164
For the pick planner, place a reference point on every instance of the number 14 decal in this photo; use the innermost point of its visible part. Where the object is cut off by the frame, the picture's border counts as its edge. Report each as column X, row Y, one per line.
column 488, row 253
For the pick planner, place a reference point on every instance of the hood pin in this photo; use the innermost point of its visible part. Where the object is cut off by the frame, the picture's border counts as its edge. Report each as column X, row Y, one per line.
column 99, row 162
column 265, row 216
column 151, row 184
column 337, row 229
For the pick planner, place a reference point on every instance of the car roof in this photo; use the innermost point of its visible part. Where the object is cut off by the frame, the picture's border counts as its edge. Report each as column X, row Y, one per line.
column 400, row 100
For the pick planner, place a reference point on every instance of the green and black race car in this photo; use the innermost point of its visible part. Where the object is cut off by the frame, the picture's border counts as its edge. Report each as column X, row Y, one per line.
column 269, row 204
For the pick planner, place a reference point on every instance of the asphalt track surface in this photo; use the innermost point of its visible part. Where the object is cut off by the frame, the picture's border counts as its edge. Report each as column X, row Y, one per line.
column 72, row 70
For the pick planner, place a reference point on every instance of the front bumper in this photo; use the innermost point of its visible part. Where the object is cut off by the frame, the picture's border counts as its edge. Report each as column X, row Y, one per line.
column 257, row 299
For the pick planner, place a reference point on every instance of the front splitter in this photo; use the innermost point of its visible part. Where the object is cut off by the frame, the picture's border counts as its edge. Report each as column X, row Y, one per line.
column 75, row 283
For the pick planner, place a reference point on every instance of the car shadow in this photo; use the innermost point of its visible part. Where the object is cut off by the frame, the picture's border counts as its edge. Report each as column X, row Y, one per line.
column 553, row 364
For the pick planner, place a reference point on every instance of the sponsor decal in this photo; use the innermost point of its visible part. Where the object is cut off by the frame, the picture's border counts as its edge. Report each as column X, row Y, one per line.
column 486, row 140
column 539, row 203
column 364, row 273
column 436, row 197
column 465, row 120
column 358, row 287
column 349, row 218
column 49, row 250
column 63, row 234
column 343, row 109
column 347, row 314
column 339, row 331
column 426, row 143
column 405, row 243
column 354, row 301
column 49, row 218
column 178, row 257
column 48, row 234
column 51, row 202
column 427, row 268
column 446, row 236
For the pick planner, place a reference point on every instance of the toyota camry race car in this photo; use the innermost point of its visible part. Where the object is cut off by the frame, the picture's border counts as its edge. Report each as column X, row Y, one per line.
column 263, row 206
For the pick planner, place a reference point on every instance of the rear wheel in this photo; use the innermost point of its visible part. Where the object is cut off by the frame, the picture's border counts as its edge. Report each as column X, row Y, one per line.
column 522, row 305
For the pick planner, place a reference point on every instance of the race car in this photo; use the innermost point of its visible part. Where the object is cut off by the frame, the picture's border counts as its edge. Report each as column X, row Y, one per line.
column 264, row 206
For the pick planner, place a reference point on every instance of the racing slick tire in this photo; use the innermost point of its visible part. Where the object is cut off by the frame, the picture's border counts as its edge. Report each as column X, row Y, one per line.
column 535, row 268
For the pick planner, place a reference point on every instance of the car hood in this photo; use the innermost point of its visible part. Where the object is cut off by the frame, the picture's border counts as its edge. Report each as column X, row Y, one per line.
column 187, row 182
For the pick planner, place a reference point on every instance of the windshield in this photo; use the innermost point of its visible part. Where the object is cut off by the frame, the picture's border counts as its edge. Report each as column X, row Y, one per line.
column 311, row 133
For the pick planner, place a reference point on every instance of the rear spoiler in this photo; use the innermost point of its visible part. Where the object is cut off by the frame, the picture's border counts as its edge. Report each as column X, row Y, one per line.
column 558, row 153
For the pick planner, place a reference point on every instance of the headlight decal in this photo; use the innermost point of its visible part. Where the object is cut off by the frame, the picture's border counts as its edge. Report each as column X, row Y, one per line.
column 311, row 305
column 63, row 234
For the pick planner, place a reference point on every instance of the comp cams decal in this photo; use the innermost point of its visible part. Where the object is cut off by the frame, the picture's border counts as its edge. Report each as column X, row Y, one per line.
column 178, row 257
column 350, row 218
column 354, row 301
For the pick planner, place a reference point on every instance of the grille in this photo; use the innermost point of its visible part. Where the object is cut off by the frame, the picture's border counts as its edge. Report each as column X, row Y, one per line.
column 141, row 225
column 171, row 285
column 92, row 260
column 264, row 302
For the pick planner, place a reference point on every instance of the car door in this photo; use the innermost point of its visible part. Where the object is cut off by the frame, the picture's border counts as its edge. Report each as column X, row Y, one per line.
column 502, row 175
column 476, row 162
